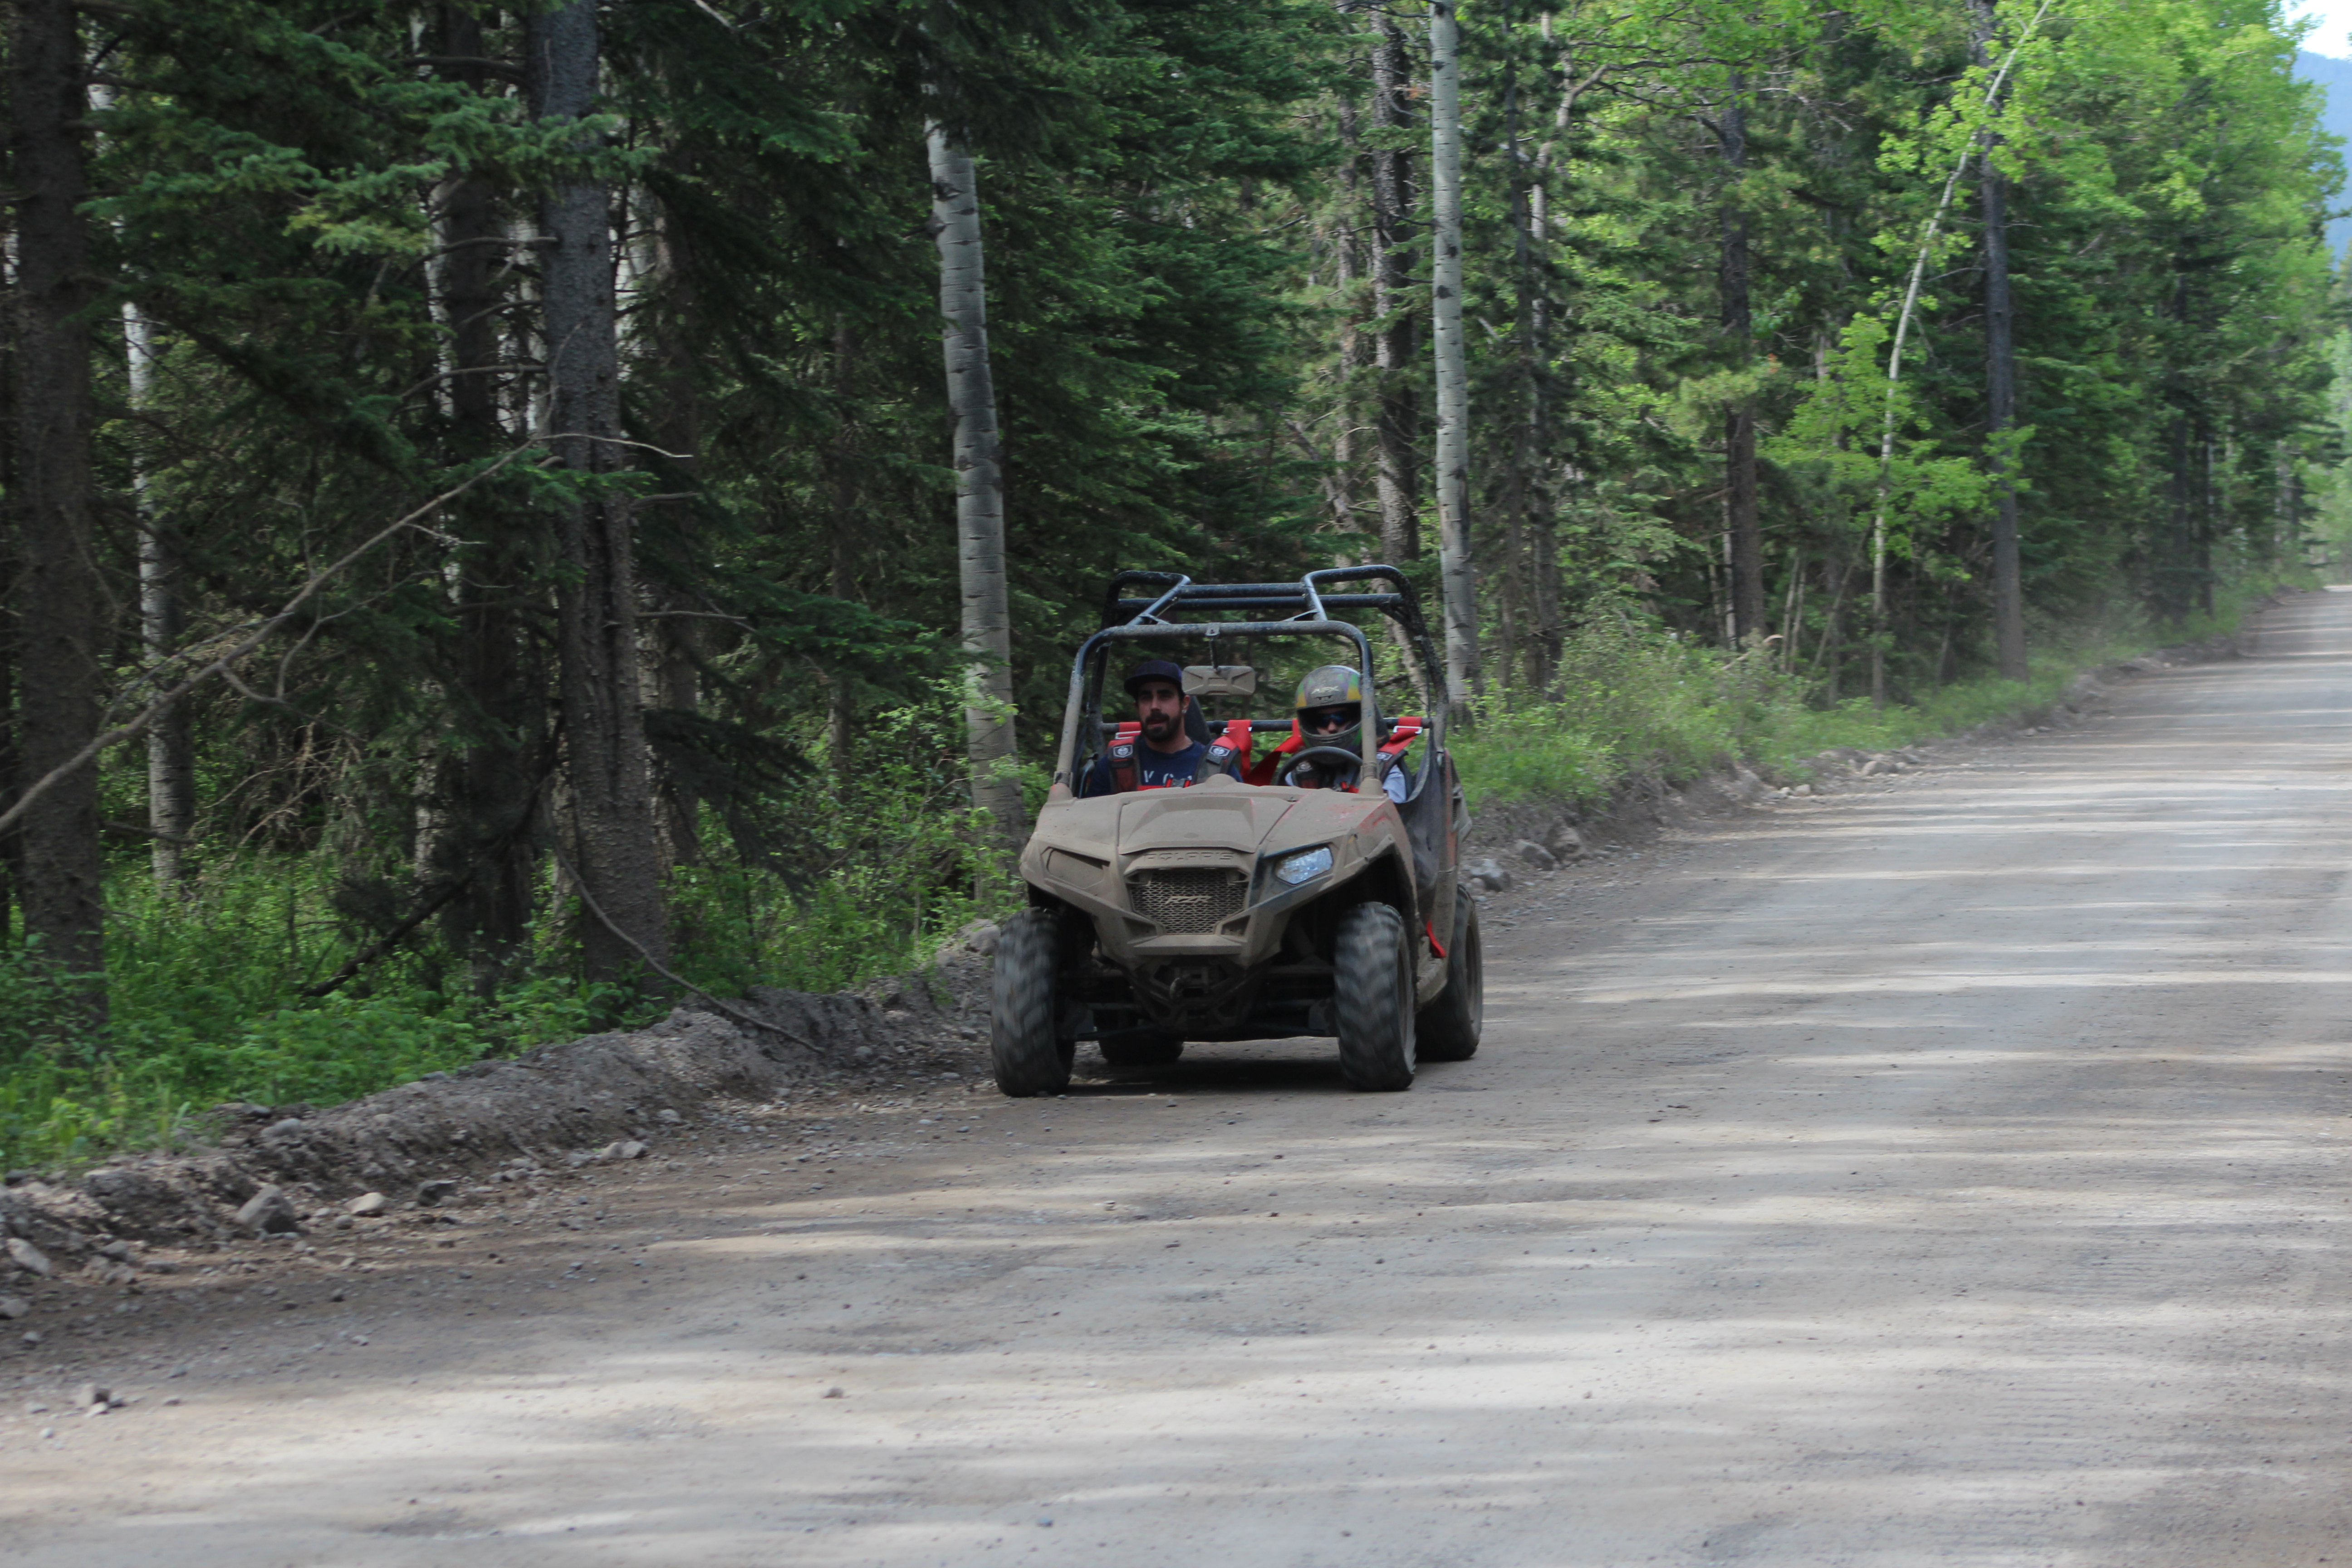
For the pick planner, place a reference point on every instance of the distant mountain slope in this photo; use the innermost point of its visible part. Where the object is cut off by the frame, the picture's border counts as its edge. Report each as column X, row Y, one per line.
column 2335, row 76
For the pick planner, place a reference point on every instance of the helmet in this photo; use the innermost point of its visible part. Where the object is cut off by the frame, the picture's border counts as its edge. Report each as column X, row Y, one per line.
column 1333, row 687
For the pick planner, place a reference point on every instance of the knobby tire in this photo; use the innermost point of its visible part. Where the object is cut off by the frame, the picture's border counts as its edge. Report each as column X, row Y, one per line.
column 1373, row 1000
column 1030, row 1057
column 1450, row 1025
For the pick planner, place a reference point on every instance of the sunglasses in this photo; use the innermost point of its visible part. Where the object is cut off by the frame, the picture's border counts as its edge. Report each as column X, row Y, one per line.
column 1325, row 720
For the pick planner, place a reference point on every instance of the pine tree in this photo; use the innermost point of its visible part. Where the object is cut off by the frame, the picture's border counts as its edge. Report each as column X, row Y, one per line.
column 57, row 598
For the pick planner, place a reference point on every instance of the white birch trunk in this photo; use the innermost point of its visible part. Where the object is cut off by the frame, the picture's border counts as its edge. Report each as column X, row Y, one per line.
column 1463, row 678
column 171, row 755
column 1895, row 380
column 979, row 491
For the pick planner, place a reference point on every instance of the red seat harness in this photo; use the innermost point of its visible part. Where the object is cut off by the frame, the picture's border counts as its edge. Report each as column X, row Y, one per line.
column 1402, row 733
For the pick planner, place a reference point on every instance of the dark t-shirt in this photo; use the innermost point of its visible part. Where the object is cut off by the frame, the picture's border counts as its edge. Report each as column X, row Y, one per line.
column 1154, row 769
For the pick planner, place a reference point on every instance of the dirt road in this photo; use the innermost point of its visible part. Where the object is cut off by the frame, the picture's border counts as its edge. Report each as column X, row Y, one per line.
column 1950, row 1174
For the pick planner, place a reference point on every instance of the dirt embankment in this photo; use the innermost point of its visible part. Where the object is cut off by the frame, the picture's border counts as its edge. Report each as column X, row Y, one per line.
column 604, row 1098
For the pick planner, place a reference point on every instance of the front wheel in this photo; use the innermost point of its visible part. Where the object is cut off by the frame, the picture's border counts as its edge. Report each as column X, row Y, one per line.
column 1450, row 1025
column 1031, row 1056
column 1373, row 1000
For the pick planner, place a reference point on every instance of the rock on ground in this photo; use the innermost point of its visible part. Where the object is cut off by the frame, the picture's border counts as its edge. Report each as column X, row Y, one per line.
column 1488, row 874
column 608, row 1096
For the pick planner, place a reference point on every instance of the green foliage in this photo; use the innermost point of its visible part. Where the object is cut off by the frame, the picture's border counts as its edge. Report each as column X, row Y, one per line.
column 1630, row 698
column 884, row 864
column 894, row 861
column 1637, row 702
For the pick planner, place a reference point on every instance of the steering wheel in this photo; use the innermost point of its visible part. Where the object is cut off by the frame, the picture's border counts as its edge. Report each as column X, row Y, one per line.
column 1339, row 759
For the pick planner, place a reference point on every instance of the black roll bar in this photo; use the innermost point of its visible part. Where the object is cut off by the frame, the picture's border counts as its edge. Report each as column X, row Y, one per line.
column 1130, row 617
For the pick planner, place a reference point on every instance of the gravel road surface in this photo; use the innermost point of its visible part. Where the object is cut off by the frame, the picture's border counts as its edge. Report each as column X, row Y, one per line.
column 1947, row 1171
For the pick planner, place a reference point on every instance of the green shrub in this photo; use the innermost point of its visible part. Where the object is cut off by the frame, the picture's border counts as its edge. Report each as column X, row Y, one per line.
column 872, row 872
column 1634, row 700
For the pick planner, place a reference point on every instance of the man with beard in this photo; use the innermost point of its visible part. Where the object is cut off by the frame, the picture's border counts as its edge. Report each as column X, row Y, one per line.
column 1162, row 755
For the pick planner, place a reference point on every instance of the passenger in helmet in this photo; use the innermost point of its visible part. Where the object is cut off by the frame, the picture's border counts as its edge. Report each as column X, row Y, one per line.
column 1329, row 709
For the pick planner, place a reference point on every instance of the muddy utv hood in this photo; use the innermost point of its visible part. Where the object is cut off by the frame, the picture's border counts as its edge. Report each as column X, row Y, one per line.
column 1142, row 864
column 1240, row 819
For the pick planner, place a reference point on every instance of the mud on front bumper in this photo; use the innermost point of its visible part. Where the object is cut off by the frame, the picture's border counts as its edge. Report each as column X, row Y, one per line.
column 1193, row 931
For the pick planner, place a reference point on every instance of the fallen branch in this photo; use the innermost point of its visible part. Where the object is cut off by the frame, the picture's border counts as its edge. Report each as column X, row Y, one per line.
column 439, row 898
column 393, row 937
column 222, row 667
column 724, row 1009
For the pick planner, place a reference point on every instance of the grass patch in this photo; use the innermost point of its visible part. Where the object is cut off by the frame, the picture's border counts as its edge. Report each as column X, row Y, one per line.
column 861, row 876
column 1638, row 702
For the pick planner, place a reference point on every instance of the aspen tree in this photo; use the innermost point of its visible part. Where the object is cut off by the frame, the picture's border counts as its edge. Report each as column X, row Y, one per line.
column 163, row 619
column 2000, row 387
column 1878, row 629
column 1463, row 678
column 1396, row 354
column 980, row 488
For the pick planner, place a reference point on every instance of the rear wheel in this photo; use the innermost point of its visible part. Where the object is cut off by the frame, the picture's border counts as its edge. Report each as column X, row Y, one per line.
column 1450, row 1025
column 1373, row 998
column 1155, row 1050
column 1031, row 1056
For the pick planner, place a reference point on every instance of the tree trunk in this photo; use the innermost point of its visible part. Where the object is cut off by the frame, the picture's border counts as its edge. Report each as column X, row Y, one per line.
column 490, row 784
column 2173, row 574
column 171, row 749
column 1523, row 593
column 841, row 577
column 1739, row 510
column 610, row 794
column 1464, row 678
column 1548, row 636
column 1396, row 352
column 680, row 640
column 979, row 491
column 2000, row 396
column 2203, row 562
column 1346, row 285
column 2001, row 417
column 1878, row 626
column 58, row 594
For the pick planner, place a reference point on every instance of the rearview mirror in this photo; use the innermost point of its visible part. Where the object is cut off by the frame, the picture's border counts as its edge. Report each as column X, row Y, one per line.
column 1220, row 680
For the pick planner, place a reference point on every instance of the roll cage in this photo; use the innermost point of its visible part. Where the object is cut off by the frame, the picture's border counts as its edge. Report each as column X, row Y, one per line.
column 1174, row 611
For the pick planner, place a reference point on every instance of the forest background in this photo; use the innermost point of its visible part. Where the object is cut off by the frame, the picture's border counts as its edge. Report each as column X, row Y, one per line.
column 491, row 533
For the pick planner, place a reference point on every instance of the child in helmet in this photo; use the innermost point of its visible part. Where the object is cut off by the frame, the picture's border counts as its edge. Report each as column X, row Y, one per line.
column 1329, row 710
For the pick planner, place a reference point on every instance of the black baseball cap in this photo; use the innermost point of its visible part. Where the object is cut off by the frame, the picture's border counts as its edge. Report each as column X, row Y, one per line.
column 1155, row 670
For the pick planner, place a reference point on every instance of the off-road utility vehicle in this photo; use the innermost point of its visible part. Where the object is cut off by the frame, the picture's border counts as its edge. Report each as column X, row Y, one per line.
column 1248, row 906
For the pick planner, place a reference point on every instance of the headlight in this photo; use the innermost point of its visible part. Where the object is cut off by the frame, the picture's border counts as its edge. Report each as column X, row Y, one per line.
column 1303, row 867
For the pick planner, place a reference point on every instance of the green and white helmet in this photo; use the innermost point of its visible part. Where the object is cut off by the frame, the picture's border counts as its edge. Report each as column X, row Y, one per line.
column 1331, row 692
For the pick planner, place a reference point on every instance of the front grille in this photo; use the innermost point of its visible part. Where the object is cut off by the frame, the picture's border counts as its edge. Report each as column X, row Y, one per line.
column 1189, row 899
